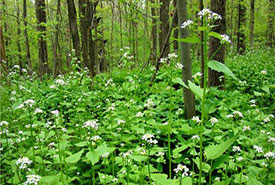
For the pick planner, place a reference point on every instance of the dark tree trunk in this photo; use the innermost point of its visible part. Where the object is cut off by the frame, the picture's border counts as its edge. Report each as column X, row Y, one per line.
column 241, row 25
column 201, row 47
column 270, row 35
column 40, row 7
column 56, row 62
column 3, row 67
column 176, row 28
column 18, row 39
column 189, row 98
column 73, row 27
column 154, row 34
column 252, row 20
column 216, row 50
column 27, row 45
column 164, row 25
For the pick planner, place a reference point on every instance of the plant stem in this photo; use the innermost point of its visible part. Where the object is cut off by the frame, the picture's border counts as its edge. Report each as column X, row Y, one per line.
column 148, row 162
column 170, row 121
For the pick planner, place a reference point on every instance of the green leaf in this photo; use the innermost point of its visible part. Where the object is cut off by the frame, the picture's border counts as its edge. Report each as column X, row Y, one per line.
column 205, row 167
column 219, row 161
column 215, row 151
column 93, row 157
column 266, row 89
column 63, row 145
column 75, row 157
column 191, row 39
column 49, row 179
column 215, row 34
column 195, row 89
column 223, row 182
column 80, row 144
column 253, row 181
column 186, row 181
column 220, row 67
column 179, row 81
column 161, row 179
column 240, row 177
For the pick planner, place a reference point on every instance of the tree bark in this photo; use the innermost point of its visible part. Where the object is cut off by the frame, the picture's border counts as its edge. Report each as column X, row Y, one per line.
column 189, row 98
column 252, row 21
column 3, row 59
column 73, row 27
column 27, row 45
column 40, row 7
column 154, row 34
column 241, row 25
column 56, row 62
column 270, row 35
column 176, row 28
column 216, row 50
column 201, row 47
column 164, row 25
column 18, row 39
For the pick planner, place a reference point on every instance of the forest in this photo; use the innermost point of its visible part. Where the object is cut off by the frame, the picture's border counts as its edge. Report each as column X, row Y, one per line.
column 148, row 92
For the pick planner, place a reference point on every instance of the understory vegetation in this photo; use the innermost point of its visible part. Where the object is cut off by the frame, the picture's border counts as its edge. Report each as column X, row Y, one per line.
column 112, row 129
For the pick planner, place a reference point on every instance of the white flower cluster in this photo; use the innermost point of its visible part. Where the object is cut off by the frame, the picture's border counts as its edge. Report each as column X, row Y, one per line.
column 91, row 124
column 183, row 169
column 246, row 128
column 195, row 137
column 139, row 114
column 171, row 56
column 32, row 179
column 179, row 66
column 109, row 82
column 264, row 72
column 55, row 112
column 271, row 140
column 106, row 154
column 23, row 162
column 37, row 111
column 237, row 114
column 2, row 123
column 121, row 122
column 126, row 154
column 236, row 149
column 149, row 103
column 258, row 149
column 268, row 118
column 225, row 39
column 149, row 138
column 197, row 75
column 28, row 103
column 60, row 82
column 186, row 24
column 196, row 119
column 95, row 138
column 209, row 14
column 269, row 155
column 213, row 121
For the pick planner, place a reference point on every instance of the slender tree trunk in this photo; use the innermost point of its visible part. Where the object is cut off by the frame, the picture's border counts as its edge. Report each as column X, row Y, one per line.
column 73, row 27
column 18, row 38
column 40, row 7
column 216, row 50
column 56, row 62
column 201, row 47
column 120, row 25
column 164, row 25
column 3, row 67
column 270, row 35
column 241, row 25
column 189, row 98
column 176, row 29
column 252, row 21
column 27, row 45
column 154, row 34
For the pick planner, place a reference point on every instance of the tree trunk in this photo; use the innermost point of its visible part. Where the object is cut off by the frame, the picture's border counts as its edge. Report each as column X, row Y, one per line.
column 73, row 27
column 189, row 98
column 252, row 21
column 27, row 45
column 56, row 62
column 42, row 43
column 176, row 29
column 18, row 39
column 241, row 25
column 216, row 50
column 154, row 34
column 164, row 25
column 270, row 35
column 3, row 68
column 201, row 47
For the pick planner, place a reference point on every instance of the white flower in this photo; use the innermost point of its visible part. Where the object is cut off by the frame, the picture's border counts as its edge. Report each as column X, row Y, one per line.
column 120, row 122
column 198, row 74
column 245, row 128
column 55, row 112
column 209, row 14
column 23, row 162
column 258, row 149
column 126, row 154
column 52, row 86
column 236, row 149
column 213, row 120
column 149, row 103
column 195, row 137
column 264, row 72
column 172, row 55
column 37, row 110
column 271, row 116
column 106, row 154
column 95, row 138
column 186, row 24
column 60, row 82
column 91, row 124
column 149, row 138
column 225, row 38
column 160, row 154
column 179, row 66
column 196, row 119
column 2, row 123
column 183, row 169
column 139, row 114
column 52, row 144
column 239, row 159
column 32, row 179
column 29, row 102
column 253, row 101
column 269, row 155
column 114, row 179
column 238, row 114
column 266, row 120
column 271, row 139
column 163, row 60
column 229, row 116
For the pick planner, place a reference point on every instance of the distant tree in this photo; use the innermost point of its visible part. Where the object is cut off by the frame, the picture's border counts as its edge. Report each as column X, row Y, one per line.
column 241, row 26
column 189, row 98
column 40, row 7
column 56, row 61
column 73, row 27
column 270, row 35
column 252, row 21
column 27, row 45
column 201, row 47
column 164, row 25
column 175, row 26
column 18, row 38
column 216, row 50
column 154, row 33
column 3, row 67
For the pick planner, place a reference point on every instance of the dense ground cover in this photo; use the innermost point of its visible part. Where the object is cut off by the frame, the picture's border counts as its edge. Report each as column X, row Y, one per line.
column 113, row 129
